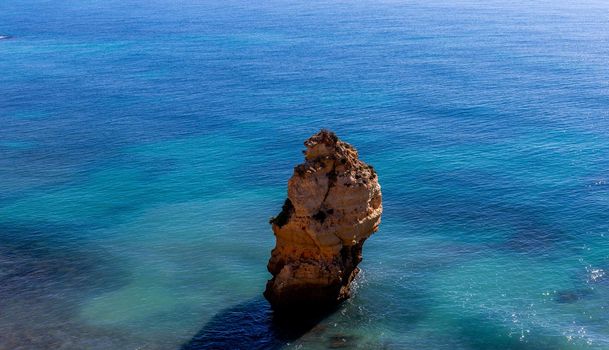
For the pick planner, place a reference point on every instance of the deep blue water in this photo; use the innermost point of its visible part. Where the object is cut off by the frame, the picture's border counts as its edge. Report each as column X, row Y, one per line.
column 145, row 144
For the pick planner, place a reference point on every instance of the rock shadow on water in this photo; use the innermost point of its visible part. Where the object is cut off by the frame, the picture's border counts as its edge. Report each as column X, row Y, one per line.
column 253, row 325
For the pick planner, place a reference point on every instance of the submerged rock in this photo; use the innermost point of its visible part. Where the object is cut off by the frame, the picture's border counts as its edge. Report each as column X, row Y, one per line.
column 334, row 204
column 571, row 296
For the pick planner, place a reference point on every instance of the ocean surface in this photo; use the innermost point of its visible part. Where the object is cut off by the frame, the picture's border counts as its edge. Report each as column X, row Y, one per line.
column 144, row 145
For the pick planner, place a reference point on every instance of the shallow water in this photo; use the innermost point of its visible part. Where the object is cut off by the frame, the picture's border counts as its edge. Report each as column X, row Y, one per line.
column 144, row 146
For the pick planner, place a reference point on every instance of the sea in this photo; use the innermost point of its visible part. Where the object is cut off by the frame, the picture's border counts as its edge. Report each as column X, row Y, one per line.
column 144, row 145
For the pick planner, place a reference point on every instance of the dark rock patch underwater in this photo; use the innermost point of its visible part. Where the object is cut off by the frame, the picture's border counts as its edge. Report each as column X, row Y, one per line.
column 44, row 276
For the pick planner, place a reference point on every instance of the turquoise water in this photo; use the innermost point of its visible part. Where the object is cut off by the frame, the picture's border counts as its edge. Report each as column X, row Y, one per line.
column 145, row 144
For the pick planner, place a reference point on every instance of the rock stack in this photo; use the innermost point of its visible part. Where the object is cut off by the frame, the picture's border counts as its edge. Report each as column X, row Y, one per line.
column 334, row 204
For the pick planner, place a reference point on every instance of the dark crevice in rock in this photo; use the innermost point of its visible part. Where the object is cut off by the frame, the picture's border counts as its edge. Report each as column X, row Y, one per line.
column 300, row 169
column 286, row 212
column 351, row 256
column 320, row 216
column 331, row 181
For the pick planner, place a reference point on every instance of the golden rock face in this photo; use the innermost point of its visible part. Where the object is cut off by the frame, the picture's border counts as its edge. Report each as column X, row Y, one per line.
column 334, row 204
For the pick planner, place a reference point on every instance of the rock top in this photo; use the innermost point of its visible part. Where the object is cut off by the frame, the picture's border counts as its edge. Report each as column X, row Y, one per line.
column 334, row 204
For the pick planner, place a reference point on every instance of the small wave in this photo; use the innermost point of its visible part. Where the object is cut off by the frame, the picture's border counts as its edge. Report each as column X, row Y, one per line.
column 5, row 37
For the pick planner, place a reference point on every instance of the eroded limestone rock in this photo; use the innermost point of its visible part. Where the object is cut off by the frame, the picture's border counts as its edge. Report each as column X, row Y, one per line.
column 334, row 204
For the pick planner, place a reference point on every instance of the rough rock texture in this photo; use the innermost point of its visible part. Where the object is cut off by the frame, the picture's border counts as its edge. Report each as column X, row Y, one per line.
column 333, row 205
